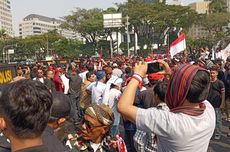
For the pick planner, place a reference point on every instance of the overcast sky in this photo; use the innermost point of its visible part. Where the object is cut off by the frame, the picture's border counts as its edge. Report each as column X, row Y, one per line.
column 58, row 8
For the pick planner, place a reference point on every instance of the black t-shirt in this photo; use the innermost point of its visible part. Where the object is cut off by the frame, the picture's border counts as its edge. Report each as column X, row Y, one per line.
column 227, row 85
column 220, row 75
column 51, row 141
column 75, row 82
column 147, row 98
column 214, row 96
column 41, row 148
column 4, row 144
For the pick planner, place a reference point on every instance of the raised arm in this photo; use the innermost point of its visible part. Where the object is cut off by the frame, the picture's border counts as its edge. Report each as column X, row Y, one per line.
column 125, row 105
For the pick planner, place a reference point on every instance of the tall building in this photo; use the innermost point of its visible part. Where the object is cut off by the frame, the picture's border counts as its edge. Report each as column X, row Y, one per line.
column 228, row 5
column 34, row 24
column 200, row 7
column 197, row 31
column 6, row 17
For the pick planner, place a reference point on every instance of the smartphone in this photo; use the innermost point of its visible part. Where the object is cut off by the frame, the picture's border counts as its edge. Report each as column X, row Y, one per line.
column 153, row 67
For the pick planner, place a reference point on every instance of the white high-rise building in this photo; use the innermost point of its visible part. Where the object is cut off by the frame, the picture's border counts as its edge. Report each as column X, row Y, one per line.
column 228, row 5
column 34, row 24
column 197, row 31
column 6, row 17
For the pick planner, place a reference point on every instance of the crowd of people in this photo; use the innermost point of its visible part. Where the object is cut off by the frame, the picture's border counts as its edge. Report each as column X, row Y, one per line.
column 116, row 105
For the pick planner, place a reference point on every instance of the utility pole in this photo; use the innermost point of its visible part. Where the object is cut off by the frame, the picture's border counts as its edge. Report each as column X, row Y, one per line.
column 127, row 26
column 111, row 47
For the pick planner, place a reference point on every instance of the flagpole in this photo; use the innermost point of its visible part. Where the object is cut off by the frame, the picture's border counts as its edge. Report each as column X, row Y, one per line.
column 169, row 46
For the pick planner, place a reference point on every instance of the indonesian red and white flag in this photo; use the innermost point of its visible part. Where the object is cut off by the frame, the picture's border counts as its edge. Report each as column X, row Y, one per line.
column 178, row 45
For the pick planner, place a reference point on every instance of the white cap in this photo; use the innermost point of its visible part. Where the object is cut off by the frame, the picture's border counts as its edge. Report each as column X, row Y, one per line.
column 115, row 65
column 117, row 82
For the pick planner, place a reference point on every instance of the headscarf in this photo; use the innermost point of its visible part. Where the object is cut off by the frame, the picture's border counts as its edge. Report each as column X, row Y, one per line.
column 99, row 75
column 102, row 113
column 155, row 76
column 178, row 89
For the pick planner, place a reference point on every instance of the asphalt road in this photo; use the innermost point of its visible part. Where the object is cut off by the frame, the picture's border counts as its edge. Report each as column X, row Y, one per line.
column 222, row 145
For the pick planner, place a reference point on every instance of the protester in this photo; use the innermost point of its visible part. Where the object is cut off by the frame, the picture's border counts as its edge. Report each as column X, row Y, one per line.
column 19, row 75
column 65, row 81
column 90, row 68
column 116, row 71
column 227, row 88
column 217, row 99
column 146, row 142
column 97, row 89
column 130, row 127
column 74, row 92
column 191, row 121
column 97, row 122
column 85, row 97
column 50, row 74
column 40, row 75
column 147, row 96
column 108, row 71
column 60, row 110
column 25, row 110
column 49, row 81
column 59, row 85
column 114, row 95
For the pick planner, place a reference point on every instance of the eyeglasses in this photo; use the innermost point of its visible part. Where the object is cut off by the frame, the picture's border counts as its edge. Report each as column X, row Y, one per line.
column 89, row 125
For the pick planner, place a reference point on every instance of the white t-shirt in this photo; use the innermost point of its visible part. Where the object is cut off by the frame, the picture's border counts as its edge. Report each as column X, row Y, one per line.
column 97, row 91
column 108, row 85
column 178, row 132
column 95, row 146
column 114, row 95
column 66, row 83
column 83, row 75
column 39, row 79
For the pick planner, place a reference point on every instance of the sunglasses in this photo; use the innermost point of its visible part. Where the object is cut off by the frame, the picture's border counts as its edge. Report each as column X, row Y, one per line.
column 89, row 125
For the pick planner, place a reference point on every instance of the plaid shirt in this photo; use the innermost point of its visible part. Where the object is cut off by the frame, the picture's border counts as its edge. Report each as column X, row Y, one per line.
column 146, row 142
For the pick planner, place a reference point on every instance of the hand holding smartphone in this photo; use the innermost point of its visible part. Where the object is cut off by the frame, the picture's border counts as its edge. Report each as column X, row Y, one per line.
column 153, row 67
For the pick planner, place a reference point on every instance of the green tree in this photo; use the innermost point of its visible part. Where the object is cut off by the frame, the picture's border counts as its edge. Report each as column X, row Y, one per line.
column 89, row 23
column 215, row 23
column 67, row 48
column 151, row 20
column 217, row 6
